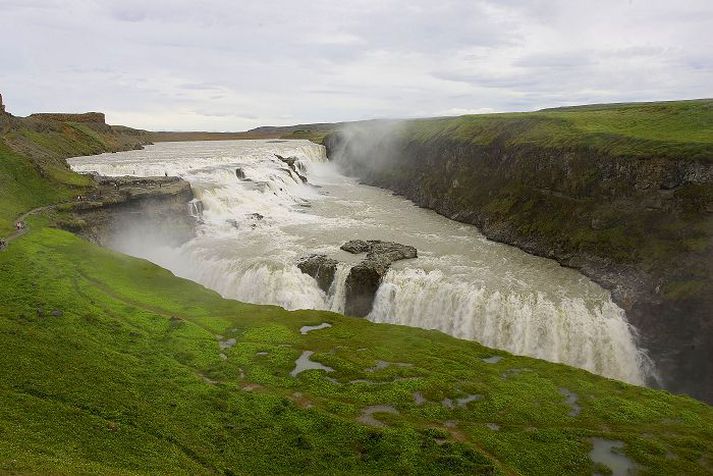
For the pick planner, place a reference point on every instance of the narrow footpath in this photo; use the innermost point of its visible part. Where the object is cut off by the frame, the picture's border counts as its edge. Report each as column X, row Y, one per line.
column 18, row 233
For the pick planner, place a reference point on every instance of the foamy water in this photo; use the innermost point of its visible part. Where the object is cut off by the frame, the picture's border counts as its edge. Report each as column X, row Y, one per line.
column 254, row 229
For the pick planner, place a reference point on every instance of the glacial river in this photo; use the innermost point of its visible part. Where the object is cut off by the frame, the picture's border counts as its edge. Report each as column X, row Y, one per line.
column 255, row 225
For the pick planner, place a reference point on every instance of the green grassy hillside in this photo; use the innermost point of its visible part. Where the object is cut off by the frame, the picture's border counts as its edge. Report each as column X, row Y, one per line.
column 128, row 378
column 33, row 171
column 675, row 129
column 665, row 129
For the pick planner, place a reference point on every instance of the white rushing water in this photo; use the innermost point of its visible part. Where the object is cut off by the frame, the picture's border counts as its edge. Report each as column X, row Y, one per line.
column 255, row 224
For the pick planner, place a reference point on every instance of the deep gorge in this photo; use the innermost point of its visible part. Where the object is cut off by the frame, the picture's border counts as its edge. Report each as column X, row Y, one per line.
column 639, row 226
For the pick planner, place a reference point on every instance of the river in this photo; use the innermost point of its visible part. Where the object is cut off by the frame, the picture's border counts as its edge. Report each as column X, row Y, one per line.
column 258, row 218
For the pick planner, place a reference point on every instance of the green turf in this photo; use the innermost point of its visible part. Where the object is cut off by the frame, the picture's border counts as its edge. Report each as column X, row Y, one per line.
column 679, row 129
column 22, row 188
column 33, row 170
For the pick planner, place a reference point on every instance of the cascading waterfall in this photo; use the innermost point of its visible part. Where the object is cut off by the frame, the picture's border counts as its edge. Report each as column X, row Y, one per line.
column 597, row 339
column 257, row 218
column 195, row 208
column 336, row 297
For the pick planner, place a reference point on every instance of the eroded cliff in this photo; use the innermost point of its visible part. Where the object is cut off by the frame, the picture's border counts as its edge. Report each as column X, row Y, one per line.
column 634, row 213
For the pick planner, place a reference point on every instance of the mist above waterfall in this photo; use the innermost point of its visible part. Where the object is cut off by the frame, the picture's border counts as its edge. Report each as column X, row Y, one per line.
column 368, row 145
column 257, row 219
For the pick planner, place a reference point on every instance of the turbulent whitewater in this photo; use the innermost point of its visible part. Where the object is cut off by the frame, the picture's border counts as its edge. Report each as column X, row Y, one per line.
column 257, row 218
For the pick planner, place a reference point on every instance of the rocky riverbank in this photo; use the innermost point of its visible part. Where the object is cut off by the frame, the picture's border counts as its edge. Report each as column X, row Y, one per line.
column 641, row 226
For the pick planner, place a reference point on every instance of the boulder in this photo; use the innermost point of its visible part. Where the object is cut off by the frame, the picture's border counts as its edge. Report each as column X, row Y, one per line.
column 362, row 283
column 321, row 268
column 290, row 161
column 377, row 249
column 240, row 173
column 365, row 278
column 292, row 164
column 356, row 246
column 388, row 250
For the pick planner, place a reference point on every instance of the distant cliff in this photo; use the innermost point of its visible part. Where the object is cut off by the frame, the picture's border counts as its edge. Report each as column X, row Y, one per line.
column 624, row 193
column 87, row 117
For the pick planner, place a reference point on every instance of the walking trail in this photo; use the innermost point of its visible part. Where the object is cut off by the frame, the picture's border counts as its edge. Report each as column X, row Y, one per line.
column 18, row 233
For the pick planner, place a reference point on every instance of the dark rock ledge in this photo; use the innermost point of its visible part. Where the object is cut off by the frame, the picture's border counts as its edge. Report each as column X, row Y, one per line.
column 152, row 204
column 365, row 277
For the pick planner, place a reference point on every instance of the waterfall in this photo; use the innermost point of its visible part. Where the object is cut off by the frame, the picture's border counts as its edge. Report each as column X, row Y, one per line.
column 257, row 218
column 195, row 208
column 336, row 297
column 597, row 339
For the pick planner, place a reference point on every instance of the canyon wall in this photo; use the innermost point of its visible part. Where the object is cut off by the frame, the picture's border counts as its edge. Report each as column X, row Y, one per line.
column 641, row 226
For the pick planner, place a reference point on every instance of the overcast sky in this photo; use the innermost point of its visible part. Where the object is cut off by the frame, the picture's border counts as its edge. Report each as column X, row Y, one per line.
column 233, row 65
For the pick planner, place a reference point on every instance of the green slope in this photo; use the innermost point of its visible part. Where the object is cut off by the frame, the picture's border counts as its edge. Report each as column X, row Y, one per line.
column 129, row 379
column 33, row 171
column 679, row 129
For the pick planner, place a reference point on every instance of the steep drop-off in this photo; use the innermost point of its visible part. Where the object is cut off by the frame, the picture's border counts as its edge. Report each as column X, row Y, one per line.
column 623, row 193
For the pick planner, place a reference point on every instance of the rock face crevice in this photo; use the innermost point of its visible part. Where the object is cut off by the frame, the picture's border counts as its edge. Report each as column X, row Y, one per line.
column 364, row 278
column 641, row 227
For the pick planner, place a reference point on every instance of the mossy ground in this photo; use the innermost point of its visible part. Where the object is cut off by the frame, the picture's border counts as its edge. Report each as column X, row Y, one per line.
column 23, row 188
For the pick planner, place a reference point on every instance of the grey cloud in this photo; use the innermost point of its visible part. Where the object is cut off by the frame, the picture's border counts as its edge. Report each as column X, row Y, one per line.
column 190, row 64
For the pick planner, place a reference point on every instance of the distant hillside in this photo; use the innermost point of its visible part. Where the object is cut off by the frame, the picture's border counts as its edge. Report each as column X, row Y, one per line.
column 304, row 131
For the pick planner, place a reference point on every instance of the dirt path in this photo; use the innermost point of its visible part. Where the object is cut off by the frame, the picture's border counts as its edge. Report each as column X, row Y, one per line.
column 18, row 233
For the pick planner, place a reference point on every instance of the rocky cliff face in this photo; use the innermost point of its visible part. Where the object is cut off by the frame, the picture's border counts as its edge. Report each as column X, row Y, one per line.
column 641, row 227
column 158, row 205
column 86, row 117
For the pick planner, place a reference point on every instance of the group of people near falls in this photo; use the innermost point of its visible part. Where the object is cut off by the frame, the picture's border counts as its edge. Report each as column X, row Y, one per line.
column 19, row 227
